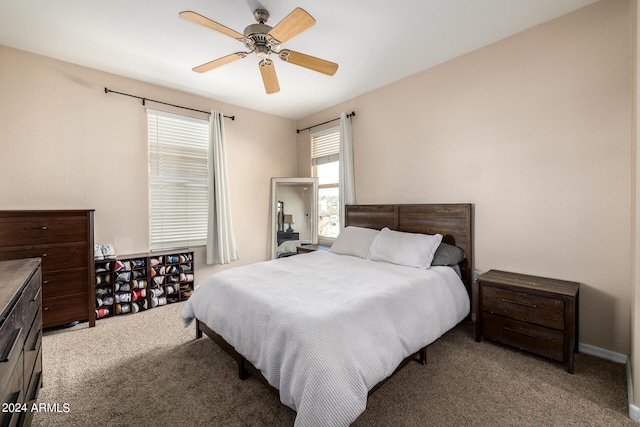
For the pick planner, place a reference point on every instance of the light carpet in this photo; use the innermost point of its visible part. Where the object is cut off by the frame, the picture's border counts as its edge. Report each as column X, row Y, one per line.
column 147, row 369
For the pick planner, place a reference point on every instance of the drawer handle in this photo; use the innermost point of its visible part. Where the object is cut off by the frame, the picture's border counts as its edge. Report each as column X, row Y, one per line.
column 44, row 227
column 7, row 355
column 35, row 297
column 44, row 282
column 518, row 331
column 33, row 394
column 34, row 346
column 526, row 304
column 45, row 308
column 44, row 255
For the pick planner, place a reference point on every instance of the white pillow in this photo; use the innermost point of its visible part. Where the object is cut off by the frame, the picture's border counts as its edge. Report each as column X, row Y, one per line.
column 409, row 249
column 354, row 241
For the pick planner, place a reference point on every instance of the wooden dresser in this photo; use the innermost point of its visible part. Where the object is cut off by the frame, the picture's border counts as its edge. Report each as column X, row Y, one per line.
column 20, row 339
column 536, row 314
column 63, row 239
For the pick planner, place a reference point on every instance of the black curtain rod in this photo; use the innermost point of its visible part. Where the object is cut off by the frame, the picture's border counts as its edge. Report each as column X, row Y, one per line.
column 144, row 100
column 353, row 113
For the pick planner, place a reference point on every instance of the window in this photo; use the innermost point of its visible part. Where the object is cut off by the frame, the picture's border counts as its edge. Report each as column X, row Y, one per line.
column 178, row 180
column 325, row 151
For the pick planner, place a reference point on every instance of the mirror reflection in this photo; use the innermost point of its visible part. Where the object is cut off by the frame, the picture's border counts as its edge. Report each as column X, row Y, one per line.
column 294, row 210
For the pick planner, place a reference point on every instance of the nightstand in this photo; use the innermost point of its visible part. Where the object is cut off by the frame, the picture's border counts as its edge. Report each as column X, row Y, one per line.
column 536, row 314
column 284, row 236
column 306, row 248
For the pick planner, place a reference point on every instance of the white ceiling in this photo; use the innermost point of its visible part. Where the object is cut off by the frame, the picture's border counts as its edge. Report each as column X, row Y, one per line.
column 375, row 43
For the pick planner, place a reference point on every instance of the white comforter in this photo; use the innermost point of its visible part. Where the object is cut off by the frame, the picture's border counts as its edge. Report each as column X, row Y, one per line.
column 325, row 328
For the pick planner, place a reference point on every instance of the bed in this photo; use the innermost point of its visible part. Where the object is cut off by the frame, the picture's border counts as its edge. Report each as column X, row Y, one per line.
column 325, row 329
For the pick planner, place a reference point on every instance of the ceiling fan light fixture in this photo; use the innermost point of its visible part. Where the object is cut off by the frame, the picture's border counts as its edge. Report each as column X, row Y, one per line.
column 263, row 40
column 262, row 51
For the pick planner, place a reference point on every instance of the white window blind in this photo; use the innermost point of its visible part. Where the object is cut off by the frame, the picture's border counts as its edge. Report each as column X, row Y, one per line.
column 325, row 160
column 325, row 147
column 178, row 180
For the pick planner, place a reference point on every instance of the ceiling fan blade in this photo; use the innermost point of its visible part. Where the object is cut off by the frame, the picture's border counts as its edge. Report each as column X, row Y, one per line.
column 196, row 18
column 219, row 62
column 307, row 61
column 269, row 77
column 292, row 25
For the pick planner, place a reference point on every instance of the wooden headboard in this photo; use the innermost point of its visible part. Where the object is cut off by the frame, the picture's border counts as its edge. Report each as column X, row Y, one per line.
column 453, row 221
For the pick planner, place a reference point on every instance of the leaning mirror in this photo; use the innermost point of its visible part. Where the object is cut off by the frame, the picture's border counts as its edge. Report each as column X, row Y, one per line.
column 294, row 212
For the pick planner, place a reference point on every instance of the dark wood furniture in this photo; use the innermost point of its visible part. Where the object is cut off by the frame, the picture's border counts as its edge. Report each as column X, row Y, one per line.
column 453, row 221
column 305, row 248
column 536, row 314
column 20, row 339
column 284, row 236
column 146, row 280
column 63, row 239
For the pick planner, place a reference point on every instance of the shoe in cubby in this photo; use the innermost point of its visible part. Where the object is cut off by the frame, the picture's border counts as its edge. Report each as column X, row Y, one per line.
column 156, row 292
column 138, row 284
column 122, row 265
column 122, row 287
column 122, row 297
column 103, row 290
column 102, row 312
column 123, row 308
column 138, row 263
column 139, row 295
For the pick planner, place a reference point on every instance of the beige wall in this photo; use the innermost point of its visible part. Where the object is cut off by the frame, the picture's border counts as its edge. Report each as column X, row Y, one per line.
column 535, row 130
column 65, row 144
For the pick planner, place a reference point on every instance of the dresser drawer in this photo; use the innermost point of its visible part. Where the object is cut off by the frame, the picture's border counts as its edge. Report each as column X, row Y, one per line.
column 56, row 283
column 54, row 257
column 12, row 394
column 12, row 336
column 32, row 348
column 42, row 230
column 524, row 306
column 536, row 339
column 32, row 388
column 31, row 299
column 58, row 311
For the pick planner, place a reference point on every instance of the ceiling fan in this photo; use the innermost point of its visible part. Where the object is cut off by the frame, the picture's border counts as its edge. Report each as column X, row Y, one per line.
column 263, row 40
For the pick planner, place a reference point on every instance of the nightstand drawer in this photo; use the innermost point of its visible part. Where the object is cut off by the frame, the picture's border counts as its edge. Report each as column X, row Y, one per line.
column 524, row 306
column 525, row 336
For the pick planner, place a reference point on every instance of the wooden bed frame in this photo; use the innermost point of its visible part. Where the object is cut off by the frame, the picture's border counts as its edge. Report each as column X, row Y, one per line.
column 453, row 221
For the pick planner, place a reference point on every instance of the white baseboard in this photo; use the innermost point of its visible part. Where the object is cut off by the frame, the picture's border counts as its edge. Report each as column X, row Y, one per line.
column 634, row 411
column 602, row 353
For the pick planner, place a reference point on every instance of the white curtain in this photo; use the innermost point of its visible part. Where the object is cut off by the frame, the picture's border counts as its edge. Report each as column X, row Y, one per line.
column 221, row 244
column 347, row 181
